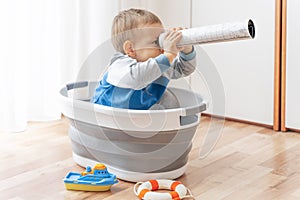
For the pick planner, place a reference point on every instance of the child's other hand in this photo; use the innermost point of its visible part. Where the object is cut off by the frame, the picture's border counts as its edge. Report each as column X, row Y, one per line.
column 187, row 49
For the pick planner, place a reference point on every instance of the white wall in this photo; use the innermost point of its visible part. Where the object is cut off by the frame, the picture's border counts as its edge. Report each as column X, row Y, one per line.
column 246, row 68
column 293, row 65
column 174, row 13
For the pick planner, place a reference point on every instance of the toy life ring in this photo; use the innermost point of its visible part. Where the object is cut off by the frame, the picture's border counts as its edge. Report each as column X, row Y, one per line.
column 144, row 190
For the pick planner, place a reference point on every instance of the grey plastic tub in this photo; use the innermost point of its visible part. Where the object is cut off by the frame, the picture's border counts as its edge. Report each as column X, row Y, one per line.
column 136, row 145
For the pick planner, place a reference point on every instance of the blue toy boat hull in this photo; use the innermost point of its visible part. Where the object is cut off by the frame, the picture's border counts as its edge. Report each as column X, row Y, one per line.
column 75, row 181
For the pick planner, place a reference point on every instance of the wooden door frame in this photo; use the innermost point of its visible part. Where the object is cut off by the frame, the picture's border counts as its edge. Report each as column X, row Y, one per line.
column 283, row 64
column 280, row 66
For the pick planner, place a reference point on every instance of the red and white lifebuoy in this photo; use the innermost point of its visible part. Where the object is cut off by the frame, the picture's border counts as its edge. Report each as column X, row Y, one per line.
column 144, row 190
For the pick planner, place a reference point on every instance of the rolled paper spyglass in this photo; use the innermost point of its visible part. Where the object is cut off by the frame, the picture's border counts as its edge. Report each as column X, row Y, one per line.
column 215, row 33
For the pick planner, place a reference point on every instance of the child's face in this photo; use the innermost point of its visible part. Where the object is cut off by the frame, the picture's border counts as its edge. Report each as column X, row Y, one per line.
column 146, row 43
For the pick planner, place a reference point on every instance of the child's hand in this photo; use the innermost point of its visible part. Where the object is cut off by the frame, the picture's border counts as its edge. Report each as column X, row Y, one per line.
column 171, row 40
column 185, row 49
column 170, row 44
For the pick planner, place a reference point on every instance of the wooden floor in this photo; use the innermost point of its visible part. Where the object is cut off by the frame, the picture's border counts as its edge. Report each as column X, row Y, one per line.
column 248, row 162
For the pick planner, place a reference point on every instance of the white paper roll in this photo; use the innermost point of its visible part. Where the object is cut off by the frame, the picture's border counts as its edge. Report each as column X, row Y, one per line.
column 215, row 33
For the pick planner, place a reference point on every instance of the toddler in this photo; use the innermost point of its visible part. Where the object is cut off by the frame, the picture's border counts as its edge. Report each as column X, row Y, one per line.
column 140, row 70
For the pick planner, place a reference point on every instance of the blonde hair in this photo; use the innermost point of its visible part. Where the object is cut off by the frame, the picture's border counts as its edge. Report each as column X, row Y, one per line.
column 128, row 20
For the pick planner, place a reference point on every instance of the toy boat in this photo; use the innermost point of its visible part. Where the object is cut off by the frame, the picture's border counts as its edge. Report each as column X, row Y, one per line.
column 93, row 179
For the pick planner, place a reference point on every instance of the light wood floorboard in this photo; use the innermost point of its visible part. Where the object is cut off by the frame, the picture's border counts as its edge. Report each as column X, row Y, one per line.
column 247, row 162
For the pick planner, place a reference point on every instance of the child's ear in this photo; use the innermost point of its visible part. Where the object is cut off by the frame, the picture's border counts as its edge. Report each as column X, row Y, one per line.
column 128, row 49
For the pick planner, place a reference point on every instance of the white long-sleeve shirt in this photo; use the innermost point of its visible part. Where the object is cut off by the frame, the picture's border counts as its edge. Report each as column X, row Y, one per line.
column 139, row 85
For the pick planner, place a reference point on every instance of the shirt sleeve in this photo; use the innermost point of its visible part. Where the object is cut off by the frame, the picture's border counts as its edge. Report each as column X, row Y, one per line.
column 183, row 65
column 126, row 72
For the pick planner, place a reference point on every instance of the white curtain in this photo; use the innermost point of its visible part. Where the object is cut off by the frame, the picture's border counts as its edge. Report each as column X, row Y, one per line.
column 47, row 43
column 29, row 62
column 43, row 44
